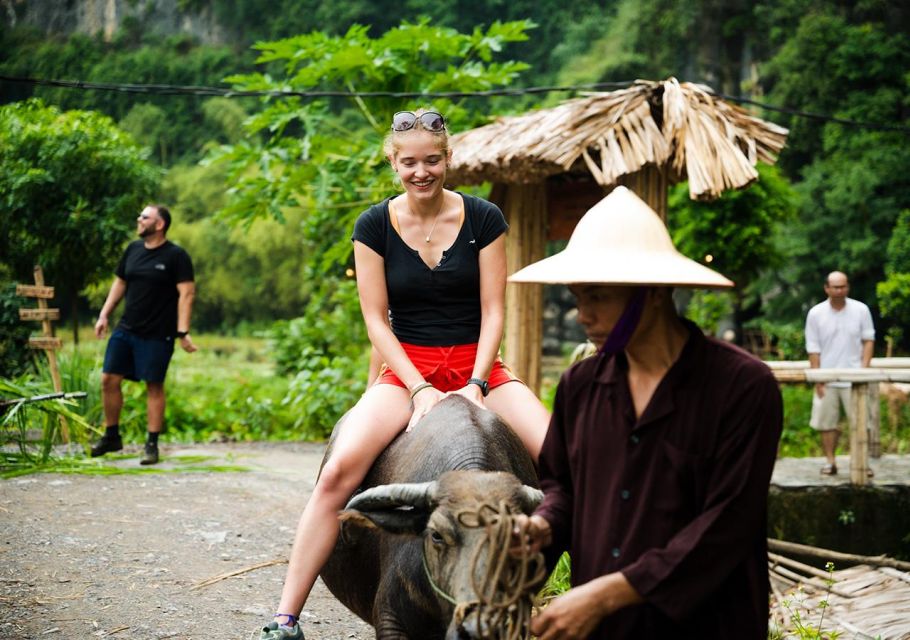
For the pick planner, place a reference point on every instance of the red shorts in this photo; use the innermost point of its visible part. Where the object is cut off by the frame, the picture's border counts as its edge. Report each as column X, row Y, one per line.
column 446, row 368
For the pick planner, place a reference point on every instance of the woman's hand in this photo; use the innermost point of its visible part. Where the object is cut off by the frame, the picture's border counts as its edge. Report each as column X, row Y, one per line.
column 424, row 400
column 472, row 392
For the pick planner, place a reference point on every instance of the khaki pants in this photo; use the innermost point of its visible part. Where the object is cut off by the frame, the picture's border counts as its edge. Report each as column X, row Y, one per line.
column 826, row 410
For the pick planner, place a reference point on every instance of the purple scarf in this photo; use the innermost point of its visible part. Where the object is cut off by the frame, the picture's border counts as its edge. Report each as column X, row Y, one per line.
column 619, row 337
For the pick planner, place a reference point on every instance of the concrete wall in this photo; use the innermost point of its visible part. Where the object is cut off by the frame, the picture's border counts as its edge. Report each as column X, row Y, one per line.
column 862, row 520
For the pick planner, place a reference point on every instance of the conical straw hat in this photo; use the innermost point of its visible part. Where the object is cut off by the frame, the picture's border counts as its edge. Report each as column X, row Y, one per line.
column 621, row 241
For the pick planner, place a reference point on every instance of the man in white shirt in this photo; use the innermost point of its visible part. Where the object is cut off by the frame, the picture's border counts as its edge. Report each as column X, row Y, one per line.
column 839, row 335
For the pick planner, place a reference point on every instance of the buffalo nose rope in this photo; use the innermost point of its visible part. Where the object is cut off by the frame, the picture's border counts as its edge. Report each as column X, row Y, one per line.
column 505, row 589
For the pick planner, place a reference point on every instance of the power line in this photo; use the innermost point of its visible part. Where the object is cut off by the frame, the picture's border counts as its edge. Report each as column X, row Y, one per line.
column 172, row 90
column 166, row 89
column 815, row 116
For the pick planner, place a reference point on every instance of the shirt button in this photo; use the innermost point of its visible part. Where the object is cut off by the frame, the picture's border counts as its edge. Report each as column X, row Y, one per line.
column 634, row 439
column 615, row 552
column 625, row 494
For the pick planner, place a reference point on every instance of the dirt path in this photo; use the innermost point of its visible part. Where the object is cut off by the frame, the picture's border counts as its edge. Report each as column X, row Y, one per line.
column 118, row 556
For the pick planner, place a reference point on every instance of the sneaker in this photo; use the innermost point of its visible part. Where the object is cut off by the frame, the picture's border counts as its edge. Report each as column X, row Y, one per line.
column 151, row 454
column 107, row 445
column 274, row 631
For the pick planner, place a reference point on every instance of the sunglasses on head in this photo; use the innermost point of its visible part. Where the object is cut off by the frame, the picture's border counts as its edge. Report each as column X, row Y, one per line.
column 430, row 120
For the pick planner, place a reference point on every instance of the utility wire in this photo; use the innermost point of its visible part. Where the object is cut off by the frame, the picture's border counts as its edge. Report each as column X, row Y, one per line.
column 166, row 90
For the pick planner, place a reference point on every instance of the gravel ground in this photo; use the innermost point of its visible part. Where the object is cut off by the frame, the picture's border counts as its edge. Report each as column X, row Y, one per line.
column 121, row 556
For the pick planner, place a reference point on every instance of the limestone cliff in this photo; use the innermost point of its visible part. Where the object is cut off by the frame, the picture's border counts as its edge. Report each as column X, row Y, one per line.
column 92, row 17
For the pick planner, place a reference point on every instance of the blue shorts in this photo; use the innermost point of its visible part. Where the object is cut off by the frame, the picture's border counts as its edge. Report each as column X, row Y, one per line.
column 137, row 358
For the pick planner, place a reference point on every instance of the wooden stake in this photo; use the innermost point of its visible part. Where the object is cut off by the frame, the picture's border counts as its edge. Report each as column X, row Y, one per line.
column 47, row 341
column 783, row 546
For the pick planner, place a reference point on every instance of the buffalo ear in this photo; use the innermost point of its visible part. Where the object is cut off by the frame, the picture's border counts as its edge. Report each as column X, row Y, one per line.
column 405, row 520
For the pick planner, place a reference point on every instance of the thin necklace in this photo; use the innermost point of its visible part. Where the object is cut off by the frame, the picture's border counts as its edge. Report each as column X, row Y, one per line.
column 435, row 220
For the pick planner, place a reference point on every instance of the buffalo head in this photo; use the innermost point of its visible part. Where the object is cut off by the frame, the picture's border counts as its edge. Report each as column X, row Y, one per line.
column 464, row 520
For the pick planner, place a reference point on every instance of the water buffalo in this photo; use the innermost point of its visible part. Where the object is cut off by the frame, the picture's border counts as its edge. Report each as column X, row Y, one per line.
column 414, row 542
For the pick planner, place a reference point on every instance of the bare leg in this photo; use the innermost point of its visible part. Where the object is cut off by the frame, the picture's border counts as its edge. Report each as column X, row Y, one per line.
column 155, row 403
column 829, row 444
column 522, row 411
column 111, row 398
column 373, row 423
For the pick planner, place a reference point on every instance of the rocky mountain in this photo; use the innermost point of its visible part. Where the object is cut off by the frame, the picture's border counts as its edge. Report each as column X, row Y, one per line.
column 105, row 17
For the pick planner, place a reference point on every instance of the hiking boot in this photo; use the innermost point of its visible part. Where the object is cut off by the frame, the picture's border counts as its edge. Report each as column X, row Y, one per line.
column 151, row 454
column 107, row 445
column 273, row 631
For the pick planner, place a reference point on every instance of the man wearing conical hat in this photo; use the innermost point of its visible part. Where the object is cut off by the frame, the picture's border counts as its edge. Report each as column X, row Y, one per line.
column 657, row 461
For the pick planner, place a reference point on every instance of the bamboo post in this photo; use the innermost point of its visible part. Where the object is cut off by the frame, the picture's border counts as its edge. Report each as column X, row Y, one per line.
column 650, row 184
column 859, row 434
column 525, row 208
column 874, row 408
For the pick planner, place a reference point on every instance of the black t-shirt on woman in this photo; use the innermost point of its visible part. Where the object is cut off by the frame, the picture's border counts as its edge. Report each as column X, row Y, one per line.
column 151, row 277
column 439, row 306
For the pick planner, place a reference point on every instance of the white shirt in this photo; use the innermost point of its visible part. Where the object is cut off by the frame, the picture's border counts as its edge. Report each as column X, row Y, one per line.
column 837, row 336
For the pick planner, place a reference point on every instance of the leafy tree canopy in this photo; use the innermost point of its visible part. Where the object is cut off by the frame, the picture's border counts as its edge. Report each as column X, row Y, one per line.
column 854, row 180
column 736, row 233
column 71, row 185
column 323, row 164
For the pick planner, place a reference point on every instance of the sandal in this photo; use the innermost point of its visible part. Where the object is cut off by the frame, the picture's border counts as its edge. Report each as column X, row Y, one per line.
column 829, row 470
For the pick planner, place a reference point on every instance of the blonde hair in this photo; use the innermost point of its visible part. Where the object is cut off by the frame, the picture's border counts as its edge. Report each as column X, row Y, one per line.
column 393, row 141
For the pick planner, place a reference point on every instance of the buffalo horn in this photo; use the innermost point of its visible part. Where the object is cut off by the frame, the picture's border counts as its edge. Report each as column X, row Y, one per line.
column 529, row 497
column 420, row 495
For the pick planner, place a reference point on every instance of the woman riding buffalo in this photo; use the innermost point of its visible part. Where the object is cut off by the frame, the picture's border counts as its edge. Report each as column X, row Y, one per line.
column 431, row 273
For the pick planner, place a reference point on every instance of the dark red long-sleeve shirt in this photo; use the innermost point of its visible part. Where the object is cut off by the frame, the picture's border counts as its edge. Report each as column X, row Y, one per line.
column 676, row 500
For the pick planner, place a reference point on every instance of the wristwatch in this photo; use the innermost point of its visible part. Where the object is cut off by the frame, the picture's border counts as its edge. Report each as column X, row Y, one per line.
column 182, row 334
column 480, row 382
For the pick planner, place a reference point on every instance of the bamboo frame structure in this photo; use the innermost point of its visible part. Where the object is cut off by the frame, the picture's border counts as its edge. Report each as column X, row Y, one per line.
column 646, row 137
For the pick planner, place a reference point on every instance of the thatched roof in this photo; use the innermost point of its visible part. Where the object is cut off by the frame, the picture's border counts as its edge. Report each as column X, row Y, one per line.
column 682, row 126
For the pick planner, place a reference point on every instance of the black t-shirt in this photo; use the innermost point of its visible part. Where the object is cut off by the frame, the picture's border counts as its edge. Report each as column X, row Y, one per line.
column 151, row 277
column 440, row 306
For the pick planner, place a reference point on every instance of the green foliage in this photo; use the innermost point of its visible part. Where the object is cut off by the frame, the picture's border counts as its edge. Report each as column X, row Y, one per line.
column 737, row 230
column 735, row 235
column 894, row 292
column 801, row 612
column 560, row 579
column 708, row 308
column 15, row 356
column 898, row 256
column 176, row 129
column 325, row 352
column 248, row 275
column 853, row 180
column 224, row 391
column 316, row 171
column 894, row 299
column 33, row 427
column 71, row 184
column 799, row 440
column 149, row 125
column 787, row 341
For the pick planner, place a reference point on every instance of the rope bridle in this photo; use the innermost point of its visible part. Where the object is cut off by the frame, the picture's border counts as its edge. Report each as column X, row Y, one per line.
column 505, row 592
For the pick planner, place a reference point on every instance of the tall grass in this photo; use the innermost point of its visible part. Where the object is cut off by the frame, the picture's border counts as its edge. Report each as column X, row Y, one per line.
column 29, row 428
column 228, row 390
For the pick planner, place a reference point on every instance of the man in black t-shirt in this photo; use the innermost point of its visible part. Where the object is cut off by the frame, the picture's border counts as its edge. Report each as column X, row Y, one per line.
column 156, row 277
